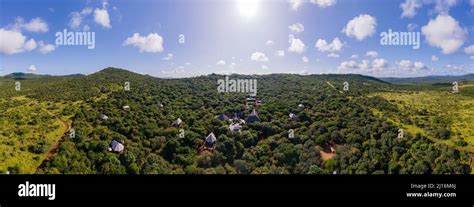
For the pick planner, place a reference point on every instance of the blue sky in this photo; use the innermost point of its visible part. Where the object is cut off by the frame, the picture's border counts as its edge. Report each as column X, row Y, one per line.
column 238, row 36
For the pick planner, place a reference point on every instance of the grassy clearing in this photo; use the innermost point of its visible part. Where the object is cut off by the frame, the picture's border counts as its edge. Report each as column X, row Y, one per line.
column 429, row 110
column 29, row 128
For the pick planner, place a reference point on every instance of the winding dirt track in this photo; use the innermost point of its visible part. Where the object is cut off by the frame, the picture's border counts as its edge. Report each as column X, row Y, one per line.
column 57, row 144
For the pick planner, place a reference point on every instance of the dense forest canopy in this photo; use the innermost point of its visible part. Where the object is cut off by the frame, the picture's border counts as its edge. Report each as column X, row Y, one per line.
column 333, row 130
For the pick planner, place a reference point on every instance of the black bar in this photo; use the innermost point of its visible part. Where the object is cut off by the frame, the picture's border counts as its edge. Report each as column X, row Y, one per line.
column 355, row 189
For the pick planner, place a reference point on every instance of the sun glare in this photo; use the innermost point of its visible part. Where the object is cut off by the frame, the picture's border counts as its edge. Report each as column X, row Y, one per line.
column 247, row 8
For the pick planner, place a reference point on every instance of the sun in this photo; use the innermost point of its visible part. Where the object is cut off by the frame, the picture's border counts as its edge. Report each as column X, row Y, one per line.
column 247, row 8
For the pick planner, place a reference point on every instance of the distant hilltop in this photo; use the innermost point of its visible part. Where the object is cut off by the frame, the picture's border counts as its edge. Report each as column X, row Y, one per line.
column 24, row 76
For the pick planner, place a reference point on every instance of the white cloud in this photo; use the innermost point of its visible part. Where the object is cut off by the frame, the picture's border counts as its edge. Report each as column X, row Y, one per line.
column 351, row 66
column 296, row 45
column 335, row 46
column 305, row 59
column 470, row 49
column 443, row 6
column 169, row 56
column 101, row 17
column 269, row 42
column 364, row 65
column 46, row 48
column 32, row 68
column 296, row 28
column 419, row 65
column 151, row 43
column 30, row 45
column 221, row 62
column 346, row 65
column 35, row 25
column 361, row 27
column 405, row 64
column 409, row 7
column 76, row 20
column 333, row 55
column 455, row 68
column 295, row 4
column 434, row 58
column 86, row 11
column 280, row 53
column 12, row 42
column 105, row 4
column 323, row 3
column 354, row 56
column 379, row 63
column 444, row 32
column 372, row 54
column 411, row 66
column 259, row 57
column 77, row 17
column 264, row 67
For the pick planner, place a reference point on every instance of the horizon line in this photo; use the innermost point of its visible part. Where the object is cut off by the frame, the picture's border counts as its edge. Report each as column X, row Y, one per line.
column 230, row 74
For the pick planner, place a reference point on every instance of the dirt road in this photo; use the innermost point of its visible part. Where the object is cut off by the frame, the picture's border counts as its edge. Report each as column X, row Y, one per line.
column 57, row 144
